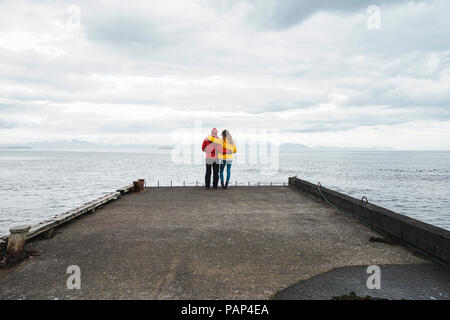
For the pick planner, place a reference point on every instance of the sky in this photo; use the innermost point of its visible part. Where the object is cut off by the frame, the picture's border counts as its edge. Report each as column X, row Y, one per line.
column 349, row 73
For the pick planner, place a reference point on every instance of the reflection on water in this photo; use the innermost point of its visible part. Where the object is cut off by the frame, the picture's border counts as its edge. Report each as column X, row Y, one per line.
column 36, row 185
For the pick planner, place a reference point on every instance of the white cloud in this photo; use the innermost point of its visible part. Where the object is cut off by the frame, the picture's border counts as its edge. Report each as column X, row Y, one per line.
column 138, row 70
column 432, row 135
column 22, row 40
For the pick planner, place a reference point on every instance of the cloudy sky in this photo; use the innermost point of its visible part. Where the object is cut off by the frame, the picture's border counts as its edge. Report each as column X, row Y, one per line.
column 321, row 72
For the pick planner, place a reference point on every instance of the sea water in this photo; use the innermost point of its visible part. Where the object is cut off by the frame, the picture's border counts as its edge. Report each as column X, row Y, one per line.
column 37, row 185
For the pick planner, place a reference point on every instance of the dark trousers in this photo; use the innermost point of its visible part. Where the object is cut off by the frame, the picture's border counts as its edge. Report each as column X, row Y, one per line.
column 215, row 169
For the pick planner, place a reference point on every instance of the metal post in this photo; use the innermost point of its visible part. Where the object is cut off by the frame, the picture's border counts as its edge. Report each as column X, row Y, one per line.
column 249, row 183
column 136, row 186
column 158, row 184
column 171, row 183
column 16, row 241
column 184, row 184
column 141, row 184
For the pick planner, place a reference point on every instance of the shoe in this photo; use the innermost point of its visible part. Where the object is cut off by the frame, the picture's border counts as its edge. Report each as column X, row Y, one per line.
column 223, row 186
column 226, row 185
column 207, row 188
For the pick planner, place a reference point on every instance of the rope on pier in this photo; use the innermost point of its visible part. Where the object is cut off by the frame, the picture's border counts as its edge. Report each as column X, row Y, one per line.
column 319, row 185
column 366, row 201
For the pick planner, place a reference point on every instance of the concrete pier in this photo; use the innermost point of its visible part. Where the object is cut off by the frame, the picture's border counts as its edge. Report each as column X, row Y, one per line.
column 240, row 243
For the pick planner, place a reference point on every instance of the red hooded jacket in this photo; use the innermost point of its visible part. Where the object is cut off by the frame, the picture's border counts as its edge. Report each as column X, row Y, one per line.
column 210, row 148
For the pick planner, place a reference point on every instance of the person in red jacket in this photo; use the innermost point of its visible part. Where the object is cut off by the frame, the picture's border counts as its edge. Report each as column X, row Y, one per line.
column 210, row 147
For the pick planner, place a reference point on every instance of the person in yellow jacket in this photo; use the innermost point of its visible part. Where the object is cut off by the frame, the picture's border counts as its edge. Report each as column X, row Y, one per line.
column 227, row 150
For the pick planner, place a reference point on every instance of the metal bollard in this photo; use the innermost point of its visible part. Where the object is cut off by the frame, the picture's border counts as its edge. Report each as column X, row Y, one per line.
column 17, row 240
column 141, row 184
column 136, row 186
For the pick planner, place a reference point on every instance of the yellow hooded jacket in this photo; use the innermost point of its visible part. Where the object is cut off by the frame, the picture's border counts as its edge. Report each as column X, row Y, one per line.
column 227, row 150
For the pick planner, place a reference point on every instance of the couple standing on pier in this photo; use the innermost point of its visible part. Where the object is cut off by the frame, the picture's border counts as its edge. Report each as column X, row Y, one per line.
column 219, row 154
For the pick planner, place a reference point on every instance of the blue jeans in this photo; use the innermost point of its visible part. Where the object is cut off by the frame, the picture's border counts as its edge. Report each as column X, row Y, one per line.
column 222, row 167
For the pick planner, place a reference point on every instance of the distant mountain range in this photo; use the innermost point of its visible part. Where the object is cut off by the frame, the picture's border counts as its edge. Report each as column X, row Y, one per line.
column 300, row 147
column 15, row 147
column 80, row 145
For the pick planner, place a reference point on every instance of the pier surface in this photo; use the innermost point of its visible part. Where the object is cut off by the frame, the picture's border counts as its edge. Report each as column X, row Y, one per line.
column 192, row 243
